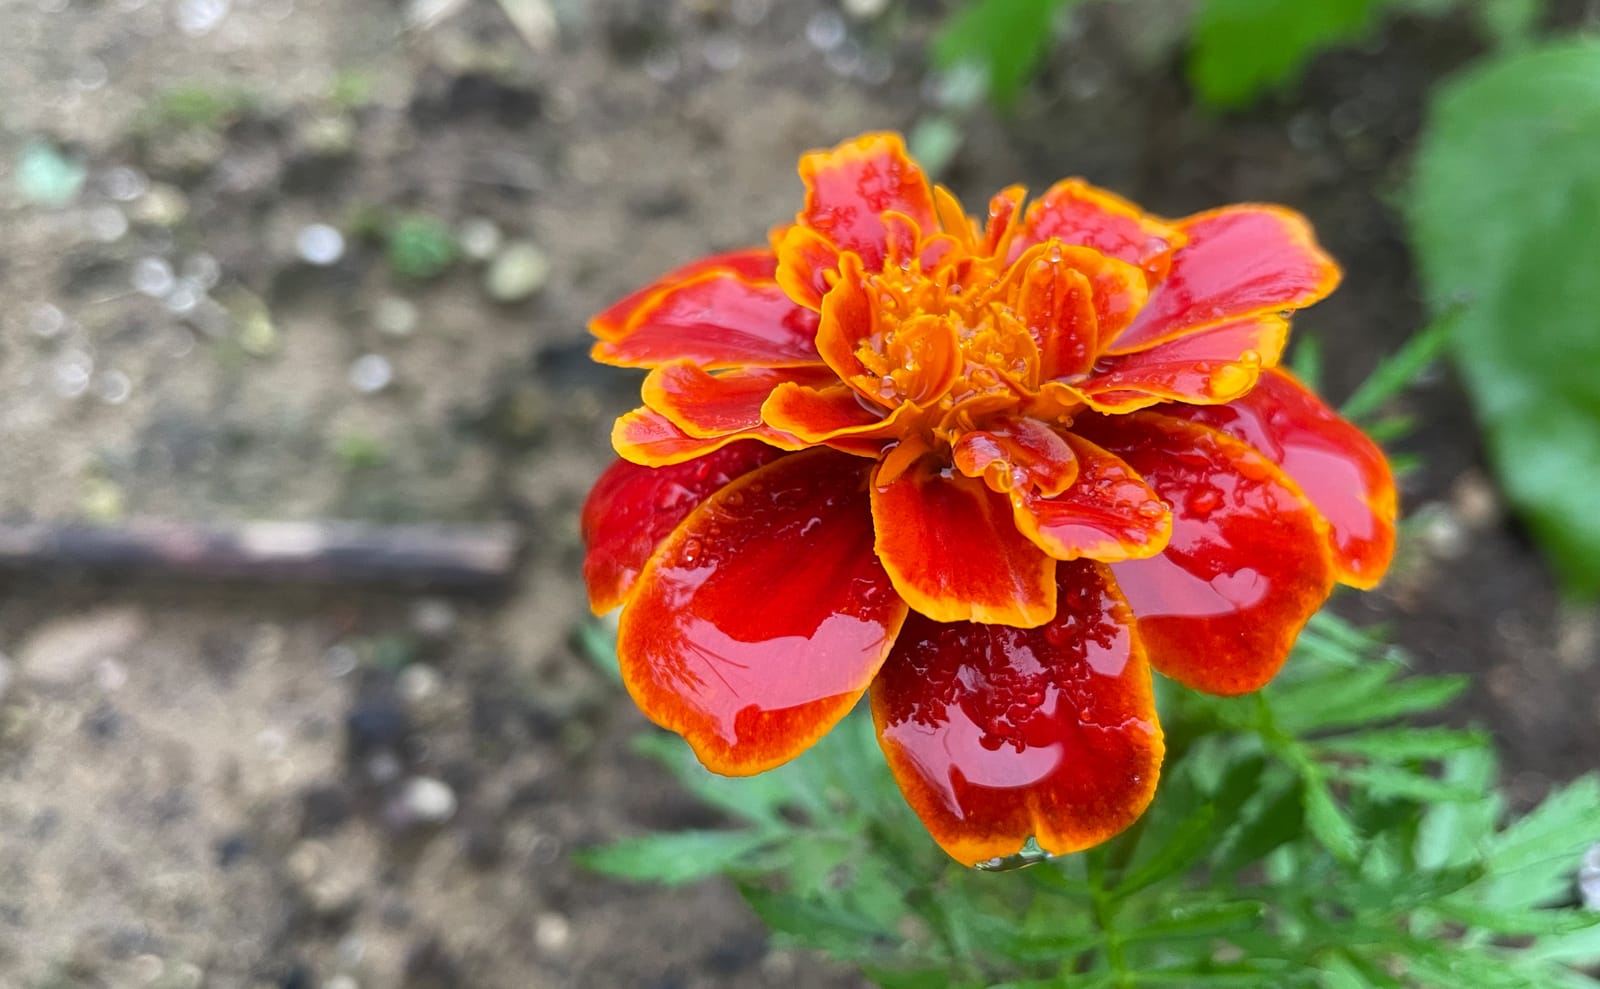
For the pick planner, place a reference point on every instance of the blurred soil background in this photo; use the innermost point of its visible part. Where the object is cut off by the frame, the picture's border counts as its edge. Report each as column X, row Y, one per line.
column 299, row 260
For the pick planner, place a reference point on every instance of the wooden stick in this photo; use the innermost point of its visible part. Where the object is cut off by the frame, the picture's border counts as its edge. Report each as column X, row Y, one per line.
column 460, row 558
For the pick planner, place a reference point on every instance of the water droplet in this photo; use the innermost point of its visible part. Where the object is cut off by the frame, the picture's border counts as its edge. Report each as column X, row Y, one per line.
column 1202, row 501
column 990, row 741
column 691, row 552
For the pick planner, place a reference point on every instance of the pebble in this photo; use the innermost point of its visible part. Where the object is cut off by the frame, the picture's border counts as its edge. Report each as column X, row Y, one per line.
column 395, row 316
column 160, row 205
column 202, row 270
column 319, row 244
column 479, row 238
column 200, row 17
column 371, row 373
column 825, row 30
column 341, row 982
column 124, row 184
column 256, row 332
column 66, row 651
column 552, row 932
column 434, row 618
column 419, row 683
column 153, row 277
column 46, row 321
column 107, row 224
column 517, row 272
column 113, row 387
column 428, row 800
column 1442, row 531
column 864, row 10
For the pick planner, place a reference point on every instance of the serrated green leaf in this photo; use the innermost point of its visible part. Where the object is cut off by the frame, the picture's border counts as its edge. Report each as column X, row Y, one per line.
column 1180, row 849
column 673, row 858
column 1534, row 859
column 1327, row 822
column 1500, row 920
column 1505, row 217
column 1242, row 47
column 1278, row 819
column 1397, row 744
column 1401, row 369
column 1453, row 835
column 1388, row 782
column 757, row 799
column 1194, row 921
column 825, row 926
column 1363, row 697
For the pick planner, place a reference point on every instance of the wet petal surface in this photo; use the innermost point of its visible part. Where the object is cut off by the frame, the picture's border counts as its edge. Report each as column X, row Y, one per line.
column 1108, row 514
column 763, row 617
column 849, row 188
column 631, row 509
column 1213, row 365
column 1239, row 261
column 650, row 439
column 754, row 264
column 717, row 319
column 954, row 554
column 1342, row 472
column 999, row 734
column 704, row 404
column 1075, row 212
column 1247, row 563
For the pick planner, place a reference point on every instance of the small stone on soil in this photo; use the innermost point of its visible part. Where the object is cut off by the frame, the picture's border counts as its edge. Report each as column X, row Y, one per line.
column 519, row 271
column 371, row 373
column 319, row 244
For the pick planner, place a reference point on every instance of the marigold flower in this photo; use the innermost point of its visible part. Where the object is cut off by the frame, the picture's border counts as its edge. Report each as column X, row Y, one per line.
column 992, row 473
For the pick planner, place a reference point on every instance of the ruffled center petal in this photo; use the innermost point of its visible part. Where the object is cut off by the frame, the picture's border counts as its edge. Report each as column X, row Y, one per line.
column 851, row 187
column 999, row 734
column 750, row 684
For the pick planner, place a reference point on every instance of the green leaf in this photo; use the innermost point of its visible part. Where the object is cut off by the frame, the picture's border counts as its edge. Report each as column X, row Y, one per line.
column 1176, row 853
column 1242, row 47
column 420, row 246
column 1327, row 822
column 1515, row 921
column 1400, row 370
column 1505, row 217
column 674, row 858
column 1008, row 38
column 1511, row 23
column 1397, row 744
column 1388, row 782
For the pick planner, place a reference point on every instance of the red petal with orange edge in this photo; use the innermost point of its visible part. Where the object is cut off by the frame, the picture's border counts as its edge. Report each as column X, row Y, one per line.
column 849, row 187
column 1116, row 289
column 1207, row 367
column 717, row 319
column 752, row 683
column 1247, row 563
column 756, row 264
column 631, row 509
column 1342, row 472
column 998, row 734
column 1056, row 304
column 849, row 316
column 1109, row 514
column 1075, row 212
column 650, row 439
column 808, row 265
column 953, row 553
column 1016, row 453
column 1240, row 261
column 705, row 405
column 1003, row 221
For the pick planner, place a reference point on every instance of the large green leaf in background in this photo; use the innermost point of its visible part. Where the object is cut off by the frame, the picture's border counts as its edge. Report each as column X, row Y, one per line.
column 1242, row 47
column 1505, row 216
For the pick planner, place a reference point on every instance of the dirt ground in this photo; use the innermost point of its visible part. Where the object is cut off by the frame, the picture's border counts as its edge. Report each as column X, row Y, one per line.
column 260, row 786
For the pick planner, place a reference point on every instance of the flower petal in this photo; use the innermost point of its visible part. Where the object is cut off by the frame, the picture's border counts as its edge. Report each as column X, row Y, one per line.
column 648, row 438
column 1048, row 298
column 1017, row 453
column 755, row 264
column 705, row 405
column 999, row 734
column 716, row 319
column 1209, row 366
column 951, row 549
column 1077, row 213
column 1109, row 514
column 808, row 265
column 849, row 188
column 1341, row 471
column 752, row 684
column 1239, row 261
column 821, row 415
column 1247, row 563
column 631, row 509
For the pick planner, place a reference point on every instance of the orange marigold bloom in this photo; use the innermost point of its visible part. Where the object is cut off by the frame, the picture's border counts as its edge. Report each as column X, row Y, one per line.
column 993, row 472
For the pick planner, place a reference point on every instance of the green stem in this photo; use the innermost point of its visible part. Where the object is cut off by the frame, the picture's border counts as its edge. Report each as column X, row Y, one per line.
column 1105, row 916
